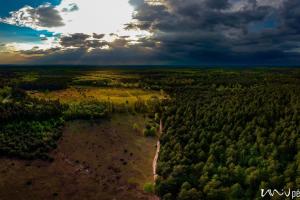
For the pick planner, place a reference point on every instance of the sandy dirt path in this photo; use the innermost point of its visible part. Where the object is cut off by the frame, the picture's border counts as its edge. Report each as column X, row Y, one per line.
column 157, row 152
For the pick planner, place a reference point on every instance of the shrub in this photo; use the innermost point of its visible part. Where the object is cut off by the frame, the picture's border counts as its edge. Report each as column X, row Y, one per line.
column 150, row 132
column 86, row 110
column 149, row 187
column 135, row 127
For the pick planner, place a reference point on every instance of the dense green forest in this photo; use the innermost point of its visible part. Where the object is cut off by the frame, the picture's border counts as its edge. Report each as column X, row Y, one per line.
column 229, row 138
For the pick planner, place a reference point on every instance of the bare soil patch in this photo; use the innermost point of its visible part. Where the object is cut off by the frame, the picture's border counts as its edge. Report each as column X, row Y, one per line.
column 94, row 160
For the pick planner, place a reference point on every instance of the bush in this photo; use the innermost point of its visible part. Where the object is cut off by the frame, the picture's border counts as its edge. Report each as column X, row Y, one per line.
column 149, row 187
column 86, row 110
column 150, row 132
column 135, row 127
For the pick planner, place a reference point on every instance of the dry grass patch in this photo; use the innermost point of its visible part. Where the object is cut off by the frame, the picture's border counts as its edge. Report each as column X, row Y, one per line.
column 115, row 95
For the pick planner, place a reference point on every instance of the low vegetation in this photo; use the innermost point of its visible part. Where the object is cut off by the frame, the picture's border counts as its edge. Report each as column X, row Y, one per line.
column 149, row 187
column 86, row 110
column 29, row 127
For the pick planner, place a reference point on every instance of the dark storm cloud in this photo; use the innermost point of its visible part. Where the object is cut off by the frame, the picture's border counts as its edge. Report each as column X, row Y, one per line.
column 75, row 40
column 119, row 56
column 217, row 4
column 37, row 51
column 198, row 32
column 71, row 8
column 47, row 16
column 290, row 15
column 209, row 31
column 44, row 16
column 178, row 16
column 98, row 36
column 84, row 41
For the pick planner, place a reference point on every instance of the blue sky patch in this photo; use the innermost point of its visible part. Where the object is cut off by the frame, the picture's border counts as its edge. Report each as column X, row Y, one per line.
column 13, row 5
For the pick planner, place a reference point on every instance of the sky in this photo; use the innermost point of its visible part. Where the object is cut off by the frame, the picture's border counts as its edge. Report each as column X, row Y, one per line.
column 150, row 32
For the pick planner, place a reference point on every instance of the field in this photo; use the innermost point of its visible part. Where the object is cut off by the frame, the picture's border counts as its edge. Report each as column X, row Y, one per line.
column 104, row 159
column 114, row 95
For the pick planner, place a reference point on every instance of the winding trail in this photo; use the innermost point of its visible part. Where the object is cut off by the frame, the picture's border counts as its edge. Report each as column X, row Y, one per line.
column 157, row 153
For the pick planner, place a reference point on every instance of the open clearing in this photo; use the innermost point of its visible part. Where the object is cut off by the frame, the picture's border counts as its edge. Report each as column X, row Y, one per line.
column 115, row 95
column 94, row 160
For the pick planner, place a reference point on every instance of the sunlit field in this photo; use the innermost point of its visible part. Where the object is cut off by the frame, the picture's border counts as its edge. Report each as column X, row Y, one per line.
column 114, row 95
